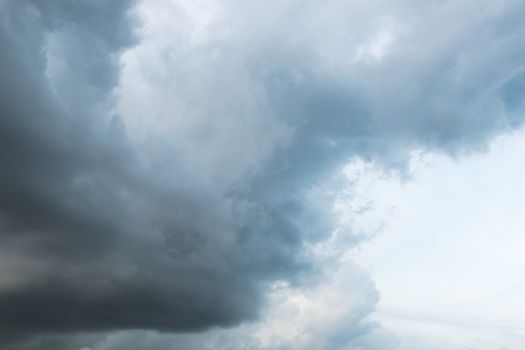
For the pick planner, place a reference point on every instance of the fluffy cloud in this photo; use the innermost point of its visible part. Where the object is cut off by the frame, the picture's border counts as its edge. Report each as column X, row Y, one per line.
column 161, row 161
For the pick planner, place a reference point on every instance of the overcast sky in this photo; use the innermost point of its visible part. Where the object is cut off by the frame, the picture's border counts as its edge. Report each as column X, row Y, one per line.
column 233, row 174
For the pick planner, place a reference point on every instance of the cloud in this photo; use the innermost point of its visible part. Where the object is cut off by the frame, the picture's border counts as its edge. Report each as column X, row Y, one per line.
column 160, row 160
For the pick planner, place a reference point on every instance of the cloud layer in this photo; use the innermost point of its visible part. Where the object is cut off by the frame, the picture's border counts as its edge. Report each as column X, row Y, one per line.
column 163, row 161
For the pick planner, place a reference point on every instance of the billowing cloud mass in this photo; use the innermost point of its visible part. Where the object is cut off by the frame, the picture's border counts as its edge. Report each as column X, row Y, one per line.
column 166, row 164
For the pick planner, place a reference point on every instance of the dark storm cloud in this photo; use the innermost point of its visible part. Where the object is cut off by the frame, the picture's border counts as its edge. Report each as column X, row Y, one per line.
column 90, row 239
column 182, row 231
column 48, row 342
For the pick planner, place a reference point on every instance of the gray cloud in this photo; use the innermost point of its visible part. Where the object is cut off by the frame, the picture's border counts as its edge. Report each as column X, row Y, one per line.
column 92, row 239
column 160, row 179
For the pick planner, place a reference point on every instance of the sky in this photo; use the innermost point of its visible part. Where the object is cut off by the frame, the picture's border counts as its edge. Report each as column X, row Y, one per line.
column 227, row 174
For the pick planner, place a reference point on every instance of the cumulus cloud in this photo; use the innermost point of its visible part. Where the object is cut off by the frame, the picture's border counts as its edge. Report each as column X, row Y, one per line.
column 162, row 160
